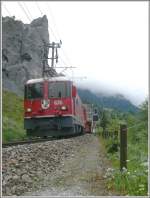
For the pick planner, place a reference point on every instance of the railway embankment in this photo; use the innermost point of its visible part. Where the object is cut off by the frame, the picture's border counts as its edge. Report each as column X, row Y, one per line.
column 73, row 166
column 25, row 166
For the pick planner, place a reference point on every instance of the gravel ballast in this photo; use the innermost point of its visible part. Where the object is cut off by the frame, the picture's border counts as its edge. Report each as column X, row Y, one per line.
column 24, row 166
column 73, row 166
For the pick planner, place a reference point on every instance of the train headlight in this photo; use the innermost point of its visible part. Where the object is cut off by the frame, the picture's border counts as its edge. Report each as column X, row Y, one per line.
column 63, row 108
column 28, row 110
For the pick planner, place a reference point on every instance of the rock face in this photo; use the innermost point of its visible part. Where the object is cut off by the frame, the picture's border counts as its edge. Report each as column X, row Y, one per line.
column 22, row 51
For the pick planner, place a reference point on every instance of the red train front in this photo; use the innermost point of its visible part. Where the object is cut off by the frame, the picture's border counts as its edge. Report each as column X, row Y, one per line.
column 52, row 108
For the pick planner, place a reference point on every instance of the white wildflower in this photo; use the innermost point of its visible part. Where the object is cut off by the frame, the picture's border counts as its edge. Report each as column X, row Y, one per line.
column 141, row 185
column 144, row 164
column 124, row 170
column 110, row 169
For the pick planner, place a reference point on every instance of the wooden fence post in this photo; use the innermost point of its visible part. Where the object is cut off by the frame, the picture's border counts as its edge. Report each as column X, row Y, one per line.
column 116, row 134
column 106, row 134
column 123, row 146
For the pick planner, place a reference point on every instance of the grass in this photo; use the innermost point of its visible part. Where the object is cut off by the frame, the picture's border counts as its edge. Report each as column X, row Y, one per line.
column 132, row 181
column 12, row 117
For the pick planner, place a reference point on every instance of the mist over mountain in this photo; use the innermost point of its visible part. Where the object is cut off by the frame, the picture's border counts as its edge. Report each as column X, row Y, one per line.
column 117, row 101
column 107, row 88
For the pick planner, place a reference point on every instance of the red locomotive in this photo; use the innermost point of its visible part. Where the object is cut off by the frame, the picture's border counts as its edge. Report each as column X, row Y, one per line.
column 53, row 108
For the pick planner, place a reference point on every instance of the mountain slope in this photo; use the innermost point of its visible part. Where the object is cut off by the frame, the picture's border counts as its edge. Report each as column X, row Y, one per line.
column 117, row 102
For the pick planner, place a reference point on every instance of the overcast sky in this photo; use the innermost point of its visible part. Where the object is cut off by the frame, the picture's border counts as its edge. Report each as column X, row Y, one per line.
column 106, row 41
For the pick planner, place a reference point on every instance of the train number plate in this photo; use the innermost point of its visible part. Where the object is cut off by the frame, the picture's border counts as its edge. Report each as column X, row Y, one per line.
column 58, row 102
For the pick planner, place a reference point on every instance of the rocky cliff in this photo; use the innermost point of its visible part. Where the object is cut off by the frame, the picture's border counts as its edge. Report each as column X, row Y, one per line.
column 22, row 51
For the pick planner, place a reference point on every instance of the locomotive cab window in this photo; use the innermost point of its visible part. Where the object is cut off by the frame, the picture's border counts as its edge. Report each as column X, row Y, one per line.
column 59, row 89
column 34, row 91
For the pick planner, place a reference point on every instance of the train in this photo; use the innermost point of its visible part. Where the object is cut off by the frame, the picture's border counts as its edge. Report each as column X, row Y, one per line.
column 52, row 107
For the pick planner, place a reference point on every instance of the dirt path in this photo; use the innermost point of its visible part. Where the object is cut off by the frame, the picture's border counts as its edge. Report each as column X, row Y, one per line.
column 81, row 174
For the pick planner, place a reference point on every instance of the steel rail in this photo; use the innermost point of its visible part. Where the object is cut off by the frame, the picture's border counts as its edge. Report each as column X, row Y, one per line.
column 37, row 140
column 29, row 141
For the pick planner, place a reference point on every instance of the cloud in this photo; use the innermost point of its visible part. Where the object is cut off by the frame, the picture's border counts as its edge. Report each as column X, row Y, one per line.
column 106, row 41
column 136, row 96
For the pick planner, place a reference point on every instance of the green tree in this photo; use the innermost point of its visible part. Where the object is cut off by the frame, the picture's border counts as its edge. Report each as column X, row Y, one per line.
column 144, row 111
column 104, row 121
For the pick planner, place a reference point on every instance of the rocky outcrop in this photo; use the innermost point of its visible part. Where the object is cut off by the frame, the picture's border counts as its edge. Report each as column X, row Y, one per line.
column 22, row 51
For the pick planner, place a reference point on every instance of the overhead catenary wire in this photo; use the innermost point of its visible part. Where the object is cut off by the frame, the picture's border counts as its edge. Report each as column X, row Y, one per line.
column 50, row 11
column 63, row 61
column 31, row 19
column 6, row 10
column 38, row 8
column 57, row 32
column 53, row 19
column 64, row 53
column 24, row 11
column 51, row 72
column 27, row 10
column 41, row 12
column 28, row 15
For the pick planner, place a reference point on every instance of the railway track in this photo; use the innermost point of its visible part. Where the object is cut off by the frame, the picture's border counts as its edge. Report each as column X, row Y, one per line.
column 36, row 140
column 29, row 141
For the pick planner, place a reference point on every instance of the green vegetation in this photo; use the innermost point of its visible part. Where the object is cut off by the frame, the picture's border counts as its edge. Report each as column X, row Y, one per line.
column 133, row 180
column 12, row 120
column 104, row 120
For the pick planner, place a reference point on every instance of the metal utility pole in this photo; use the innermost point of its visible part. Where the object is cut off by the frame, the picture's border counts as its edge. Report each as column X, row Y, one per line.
column 50, row 70
column 54, row 46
